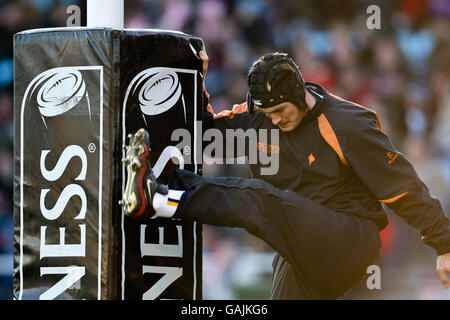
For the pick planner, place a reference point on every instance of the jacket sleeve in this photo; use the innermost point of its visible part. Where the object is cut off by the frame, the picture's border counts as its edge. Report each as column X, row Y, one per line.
column 236, row 118
column 392, row 180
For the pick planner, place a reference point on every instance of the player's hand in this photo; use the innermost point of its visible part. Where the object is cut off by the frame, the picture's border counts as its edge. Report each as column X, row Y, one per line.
column 443, row 266
column 205, row 60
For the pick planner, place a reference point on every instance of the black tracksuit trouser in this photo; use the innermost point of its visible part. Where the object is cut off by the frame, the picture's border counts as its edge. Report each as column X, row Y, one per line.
column 321, row 254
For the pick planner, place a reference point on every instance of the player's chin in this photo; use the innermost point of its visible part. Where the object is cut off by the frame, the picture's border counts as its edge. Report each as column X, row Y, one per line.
column 286, row 127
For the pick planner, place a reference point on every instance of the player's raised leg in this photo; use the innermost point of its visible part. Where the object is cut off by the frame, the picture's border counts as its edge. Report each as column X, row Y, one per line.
column 142, row 189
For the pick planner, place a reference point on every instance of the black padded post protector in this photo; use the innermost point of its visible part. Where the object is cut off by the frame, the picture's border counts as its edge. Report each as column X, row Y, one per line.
column 77, row 94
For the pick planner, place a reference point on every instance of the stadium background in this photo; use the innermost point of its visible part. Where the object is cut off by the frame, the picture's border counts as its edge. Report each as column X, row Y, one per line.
column 401, row 70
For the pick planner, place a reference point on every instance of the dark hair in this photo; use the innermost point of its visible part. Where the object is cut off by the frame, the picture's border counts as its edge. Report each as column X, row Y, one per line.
column 275, row 78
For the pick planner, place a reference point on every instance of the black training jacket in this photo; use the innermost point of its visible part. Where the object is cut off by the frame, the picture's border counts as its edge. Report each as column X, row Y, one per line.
column 339, row 157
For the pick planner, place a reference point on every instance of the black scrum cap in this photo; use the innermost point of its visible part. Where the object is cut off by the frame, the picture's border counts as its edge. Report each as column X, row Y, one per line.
column 274, row 79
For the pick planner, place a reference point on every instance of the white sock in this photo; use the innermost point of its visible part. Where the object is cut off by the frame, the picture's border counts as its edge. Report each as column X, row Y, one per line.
column 166, row 205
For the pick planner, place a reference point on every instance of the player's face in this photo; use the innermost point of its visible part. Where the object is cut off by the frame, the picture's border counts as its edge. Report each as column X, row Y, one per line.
column 284, row 115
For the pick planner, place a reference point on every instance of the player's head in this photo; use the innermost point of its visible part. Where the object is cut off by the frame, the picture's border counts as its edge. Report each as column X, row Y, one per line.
column 277, row 88
column 274, row 79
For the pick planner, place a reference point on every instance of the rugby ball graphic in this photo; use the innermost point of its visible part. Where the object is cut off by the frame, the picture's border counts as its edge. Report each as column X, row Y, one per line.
column 60, row 92
column 159, row 90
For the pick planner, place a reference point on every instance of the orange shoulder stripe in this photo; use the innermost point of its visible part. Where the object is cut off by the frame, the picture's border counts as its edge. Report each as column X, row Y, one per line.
column 342, row 99
column 328, row 134
column 393, row 199
column 237, row 109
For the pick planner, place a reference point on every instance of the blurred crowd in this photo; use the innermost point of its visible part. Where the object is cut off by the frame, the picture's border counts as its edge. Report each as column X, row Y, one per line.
column 401, row 70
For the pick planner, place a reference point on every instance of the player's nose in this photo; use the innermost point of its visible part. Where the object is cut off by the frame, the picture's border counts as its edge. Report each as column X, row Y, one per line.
column 276, row 120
